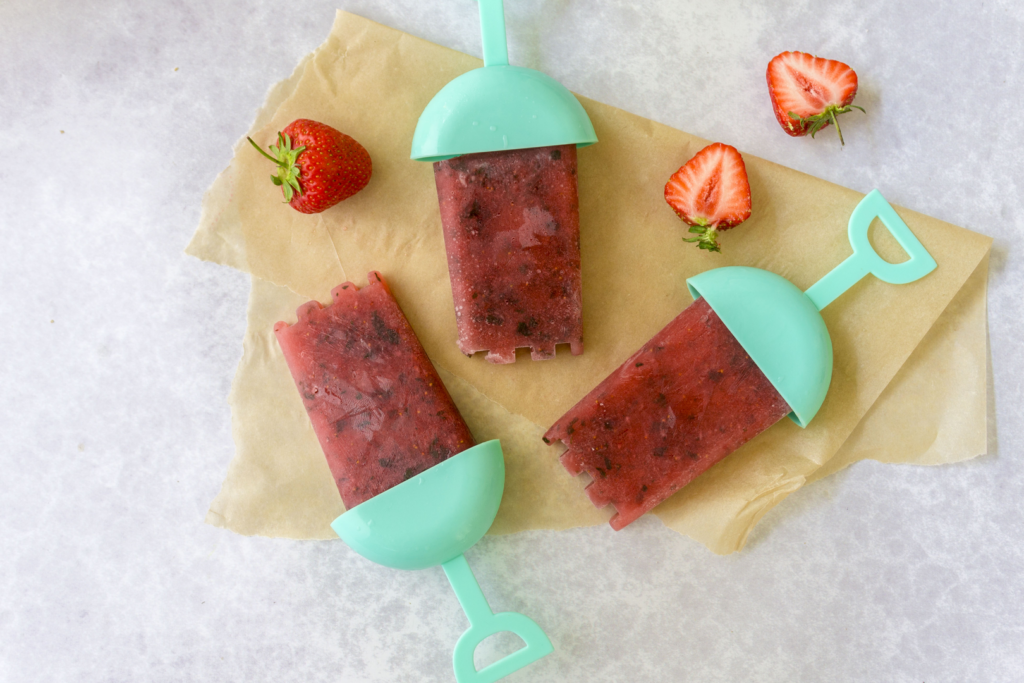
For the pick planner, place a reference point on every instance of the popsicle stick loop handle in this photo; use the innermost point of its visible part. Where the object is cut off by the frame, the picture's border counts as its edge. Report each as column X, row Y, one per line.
column 866, row 260
column 484, row 623
column 537, row 645
column 492, row 31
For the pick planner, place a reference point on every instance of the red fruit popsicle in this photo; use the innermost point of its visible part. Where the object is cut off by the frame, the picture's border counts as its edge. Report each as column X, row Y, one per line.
column 680, row 404
column 752, row 349
column 377, row 406
column 512, row 234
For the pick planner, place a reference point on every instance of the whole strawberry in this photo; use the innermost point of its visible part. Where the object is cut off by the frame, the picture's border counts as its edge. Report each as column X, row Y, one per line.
column 317, row 166
column 710, row 193
column 809, row 92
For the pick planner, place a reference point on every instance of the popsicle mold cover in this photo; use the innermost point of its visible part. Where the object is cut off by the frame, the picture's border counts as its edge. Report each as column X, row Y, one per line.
column 781, row 327
column 499, row 107
column 778, row 326
column 432, row 517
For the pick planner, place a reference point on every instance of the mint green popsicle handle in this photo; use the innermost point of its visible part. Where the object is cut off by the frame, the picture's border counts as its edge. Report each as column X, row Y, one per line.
column 866, row 260
column 492, row 30
column 483, row 623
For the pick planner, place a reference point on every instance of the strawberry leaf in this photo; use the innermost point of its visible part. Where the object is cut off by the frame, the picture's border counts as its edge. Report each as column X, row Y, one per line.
column 818, row 121
column 288, row 173
column 706, row 237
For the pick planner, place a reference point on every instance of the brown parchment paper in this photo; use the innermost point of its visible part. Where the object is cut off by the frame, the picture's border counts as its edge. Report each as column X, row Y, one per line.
column 372, row 82
column 278, row 483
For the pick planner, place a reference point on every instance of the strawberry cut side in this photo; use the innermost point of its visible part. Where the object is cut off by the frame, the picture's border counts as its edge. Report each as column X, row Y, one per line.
column 710, row 193
column 809, row 93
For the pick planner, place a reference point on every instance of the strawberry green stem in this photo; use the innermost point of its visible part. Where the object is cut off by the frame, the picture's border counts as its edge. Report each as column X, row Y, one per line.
column 260, row 150
column 819, row 121
column 835, row 122
column 706, row 237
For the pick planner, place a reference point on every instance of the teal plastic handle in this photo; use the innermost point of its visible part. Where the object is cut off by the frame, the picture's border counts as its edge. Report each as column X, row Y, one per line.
column 433, row 518
column 499, row 107
column 484, row 623
column 866, row 260
column 492, row 30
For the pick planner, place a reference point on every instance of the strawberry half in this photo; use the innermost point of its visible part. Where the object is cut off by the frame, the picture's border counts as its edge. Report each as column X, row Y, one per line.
column 809, row 92
column 710, row 193
column 324, row 168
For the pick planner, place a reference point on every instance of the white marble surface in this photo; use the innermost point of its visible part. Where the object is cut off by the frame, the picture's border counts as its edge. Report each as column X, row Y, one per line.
column 118, row 352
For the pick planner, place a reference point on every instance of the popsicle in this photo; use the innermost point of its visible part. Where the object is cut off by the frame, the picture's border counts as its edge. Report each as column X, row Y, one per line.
column 377, row 406
column 689, row 397
column 418, row 492
column 512, row 235
column 751, row 349
column 503, row 143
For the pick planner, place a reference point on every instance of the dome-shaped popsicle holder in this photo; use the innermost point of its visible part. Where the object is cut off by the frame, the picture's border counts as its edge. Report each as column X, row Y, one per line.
column 499, row 107
column 781, row 328
column 432, row 519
